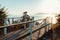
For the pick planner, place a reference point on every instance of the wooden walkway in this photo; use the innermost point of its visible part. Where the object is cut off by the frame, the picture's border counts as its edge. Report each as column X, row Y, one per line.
column 24, row 34
column 35, row 35
column 21, row 33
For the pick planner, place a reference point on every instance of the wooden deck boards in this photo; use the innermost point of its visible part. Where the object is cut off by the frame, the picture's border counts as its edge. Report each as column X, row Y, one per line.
column 22, row 32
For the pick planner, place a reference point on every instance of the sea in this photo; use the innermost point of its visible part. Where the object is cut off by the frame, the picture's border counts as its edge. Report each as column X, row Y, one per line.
column 18, row 18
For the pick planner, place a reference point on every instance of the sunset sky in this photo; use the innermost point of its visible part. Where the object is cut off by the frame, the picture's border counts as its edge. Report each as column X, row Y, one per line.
column 37, row 8
column 17, row 7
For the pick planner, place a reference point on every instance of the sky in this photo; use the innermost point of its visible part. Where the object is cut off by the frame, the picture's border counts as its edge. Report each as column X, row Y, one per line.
column 17, row 7
column 37, row 8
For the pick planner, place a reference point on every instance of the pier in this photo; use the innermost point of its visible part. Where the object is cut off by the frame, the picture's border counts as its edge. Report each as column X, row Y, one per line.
column 32, row 32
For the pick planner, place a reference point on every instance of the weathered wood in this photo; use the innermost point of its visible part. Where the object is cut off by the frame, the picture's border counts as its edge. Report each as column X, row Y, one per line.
column 27, row 34
column 20, row 23
column 17, row 34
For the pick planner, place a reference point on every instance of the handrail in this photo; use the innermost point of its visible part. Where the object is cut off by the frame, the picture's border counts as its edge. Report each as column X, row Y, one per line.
column 27, row 33
column 21, row 23
column 13, row 18
column 30, row 25
column 35, row 30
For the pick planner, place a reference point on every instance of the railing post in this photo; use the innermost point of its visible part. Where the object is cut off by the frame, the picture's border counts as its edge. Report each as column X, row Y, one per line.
column 30, row 29
column 5, row 29
column 45, row 30
column 25, row 19
column 45, row 24
column 51, row 29
column 8, row 20
column 33, row 19
column 19, row 20
column 12, row 20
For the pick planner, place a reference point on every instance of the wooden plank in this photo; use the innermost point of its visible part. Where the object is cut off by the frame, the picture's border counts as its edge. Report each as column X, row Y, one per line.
column 10, row 35
column 34, row 30
column 18, row 34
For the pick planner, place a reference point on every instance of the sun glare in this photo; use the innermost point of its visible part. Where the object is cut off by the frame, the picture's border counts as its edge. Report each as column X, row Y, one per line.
column 50, row 7
column 53, row 19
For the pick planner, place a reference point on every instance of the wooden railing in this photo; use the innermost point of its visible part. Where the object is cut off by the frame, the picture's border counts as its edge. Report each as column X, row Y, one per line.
column 30, row 26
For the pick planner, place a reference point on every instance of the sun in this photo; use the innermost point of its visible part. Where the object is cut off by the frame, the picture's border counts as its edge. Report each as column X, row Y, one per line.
column 50, row 7
column 53, row 19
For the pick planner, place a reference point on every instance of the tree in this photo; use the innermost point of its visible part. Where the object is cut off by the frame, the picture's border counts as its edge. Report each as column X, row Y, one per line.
column 58, row 18
column 2, row 15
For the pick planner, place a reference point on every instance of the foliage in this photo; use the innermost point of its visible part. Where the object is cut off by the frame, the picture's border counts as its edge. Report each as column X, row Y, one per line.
column 2, row 15
column 58, row 18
